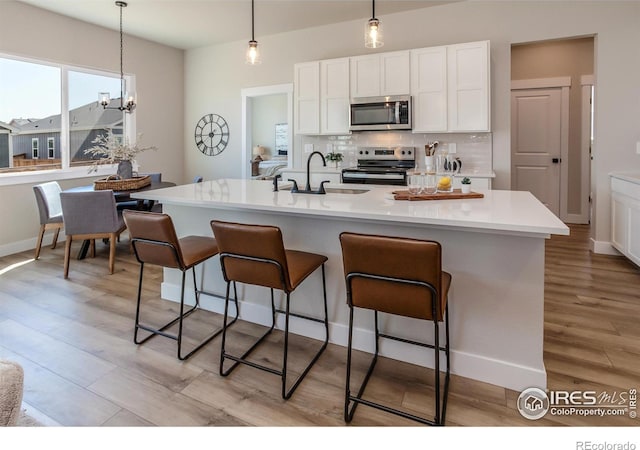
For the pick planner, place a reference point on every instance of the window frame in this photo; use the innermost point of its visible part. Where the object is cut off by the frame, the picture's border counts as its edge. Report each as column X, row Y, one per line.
column 67, row 171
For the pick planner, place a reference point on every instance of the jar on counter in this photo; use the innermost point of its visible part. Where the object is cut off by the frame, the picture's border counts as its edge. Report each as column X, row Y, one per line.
column 444, row 172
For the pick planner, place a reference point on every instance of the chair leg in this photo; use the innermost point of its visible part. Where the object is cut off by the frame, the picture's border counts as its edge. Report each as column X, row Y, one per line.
column 39, row 243
column 179, row 319
column 112, row 252
column 197, row 305
column 357, row 399
column 55, row 238
column 92, row 248
column 287, row 394
column 67, row 254
column 348, row 413
column 241, row 359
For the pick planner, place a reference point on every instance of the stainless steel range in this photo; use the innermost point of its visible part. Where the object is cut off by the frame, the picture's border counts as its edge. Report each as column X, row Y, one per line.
column 381, row 165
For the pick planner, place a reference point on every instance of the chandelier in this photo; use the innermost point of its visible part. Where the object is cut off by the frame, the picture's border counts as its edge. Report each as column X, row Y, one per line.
column 130, row 104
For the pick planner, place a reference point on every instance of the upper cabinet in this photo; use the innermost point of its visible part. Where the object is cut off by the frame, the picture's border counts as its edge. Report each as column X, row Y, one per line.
column 429, row 89
column 321, row 97
column 380, row 74
column 306, row 108
column 334, row 96
column 450, row 86
column 469, row 86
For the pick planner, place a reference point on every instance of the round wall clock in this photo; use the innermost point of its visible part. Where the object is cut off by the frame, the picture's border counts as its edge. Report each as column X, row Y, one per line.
column 212, row 134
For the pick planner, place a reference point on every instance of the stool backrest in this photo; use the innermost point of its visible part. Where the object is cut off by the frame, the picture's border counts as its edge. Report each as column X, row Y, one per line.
column 48, row 200
column 252, row 254
column 154, row 238
column 395, row 275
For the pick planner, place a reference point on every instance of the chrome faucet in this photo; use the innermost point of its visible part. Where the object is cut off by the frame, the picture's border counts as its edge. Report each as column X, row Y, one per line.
column 307, row 189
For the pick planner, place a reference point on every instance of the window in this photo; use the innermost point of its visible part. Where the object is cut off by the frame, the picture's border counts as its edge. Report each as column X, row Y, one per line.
column 51, row 148
column 57, row 105
column 34, row 148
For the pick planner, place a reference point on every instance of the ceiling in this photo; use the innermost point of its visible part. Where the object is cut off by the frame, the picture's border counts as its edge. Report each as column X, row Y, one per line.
column 189, row 24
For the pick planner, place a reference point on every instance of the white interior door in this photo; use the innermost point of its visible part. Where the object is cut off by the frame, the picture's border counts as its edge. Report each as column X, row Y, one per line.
column 536, row 144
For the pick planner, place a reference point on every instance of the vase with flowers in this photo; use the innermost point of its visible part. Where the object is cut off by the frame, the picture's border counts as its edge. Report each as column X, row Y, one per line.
column 109, row 148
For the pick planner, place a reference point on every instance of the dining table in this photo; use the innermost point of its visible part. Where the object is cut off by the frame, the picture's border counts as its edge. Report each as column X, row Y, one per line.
column 120, row 197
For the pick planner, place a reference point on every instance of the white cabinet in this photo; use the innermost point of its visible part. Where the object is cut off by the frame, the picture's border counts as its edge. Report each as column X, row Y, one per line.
column 334, row 96
column 321, row 97
column 380, row 74
column 625, row 216
column 468, row 86
column 307, row 98
column 395, row 73
column 429, row 89
column 450, row 86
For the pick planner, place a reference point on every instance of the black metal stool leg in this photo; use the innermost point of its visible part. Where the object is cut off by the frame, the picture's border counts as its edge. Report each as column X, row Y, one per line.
column 287, row 394
column 241, row 359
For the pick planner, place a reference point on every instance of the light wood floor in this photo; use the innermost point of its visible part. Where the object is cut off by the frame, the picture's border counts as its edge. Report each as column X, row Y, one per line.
column 74, row 339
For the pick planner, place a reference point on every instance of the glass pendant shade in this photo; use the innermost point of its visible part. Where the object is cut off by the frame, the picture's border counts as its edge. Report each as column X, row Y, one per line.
column 253, row 54
column 373, row 34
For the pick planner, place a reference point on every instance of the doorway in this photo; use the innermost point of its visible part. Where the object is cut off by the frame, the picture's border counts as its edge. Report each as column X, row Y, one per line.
column 549, row 156
column 253, row 100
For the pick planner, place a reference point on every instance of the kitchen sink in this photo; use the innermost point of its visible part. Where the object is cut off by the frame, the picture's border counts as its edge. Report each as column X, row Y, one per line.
column 334, row 190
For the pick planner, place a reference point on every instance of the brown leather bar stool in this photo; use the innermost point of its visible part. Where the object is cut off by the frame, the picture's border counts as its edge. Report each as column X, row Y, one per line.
column 255, row 254
column 410, row 283
column 154, row 241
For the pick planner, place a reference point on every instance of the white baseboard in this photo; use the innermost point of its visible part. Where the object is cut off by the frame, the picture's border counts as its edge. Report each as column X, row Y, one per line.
column 603, row 248
column 464, row 364
column 29, row 244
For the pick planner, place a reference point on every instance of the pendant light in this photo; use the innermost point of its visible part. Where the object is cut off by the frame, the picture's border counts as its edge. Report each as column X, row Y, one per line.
column 130, row 104
column 373, row 30
column 253, row 55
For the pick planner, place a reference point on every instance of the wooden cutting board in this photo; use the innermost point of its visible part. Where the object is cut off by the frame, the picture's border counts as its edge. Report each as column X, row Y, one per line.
column 455, row 195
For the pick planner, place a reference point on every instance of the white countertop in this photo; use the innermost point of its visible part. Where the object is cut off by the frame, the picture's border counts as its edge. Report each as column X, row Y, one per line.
column 632, row 177
column 499, row 211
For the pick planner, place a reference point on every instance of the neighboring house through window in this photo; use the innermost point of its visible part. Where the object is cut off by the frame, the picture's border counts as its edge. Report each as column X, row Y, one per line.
column 32, row 107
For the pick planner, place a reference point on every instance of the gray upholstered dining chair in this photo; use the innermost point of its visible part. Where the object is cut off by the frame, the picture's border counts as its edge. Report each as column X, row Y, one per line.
column 50, row 209
column 90, row 216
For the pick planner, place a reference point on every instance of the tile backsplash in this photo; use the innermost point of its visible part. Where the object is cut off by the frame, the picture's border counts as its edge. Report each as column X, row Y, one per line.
column 473, row 149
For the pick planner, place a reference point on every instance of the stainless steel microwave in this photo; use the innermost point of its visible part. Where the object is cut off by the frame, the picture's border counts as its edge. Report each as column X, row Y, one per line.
column 380, row 113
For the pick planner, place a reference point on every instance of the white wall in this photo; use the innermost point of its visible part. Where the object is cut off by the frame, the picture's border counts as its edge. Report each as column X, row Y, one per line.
column 32, row 32
column 215, row 74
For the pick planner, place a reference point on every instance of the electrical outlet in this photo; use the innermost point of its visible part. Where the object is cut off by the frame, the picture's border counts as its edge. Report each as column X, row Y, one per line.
column 638, row 147
column 308, row 148
column 451, row 147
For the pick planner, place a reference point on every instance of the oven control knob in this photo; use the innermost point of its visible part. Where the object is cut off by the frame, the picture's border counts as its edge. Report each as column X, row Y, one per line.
column 366, row 152
column 361, row 152
column 403, row 152
column 409, row 152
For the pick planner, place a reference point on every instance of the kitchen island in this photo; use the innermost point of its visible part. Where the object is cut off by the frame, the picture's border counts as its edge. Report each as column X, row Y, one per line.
column 493, row 247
